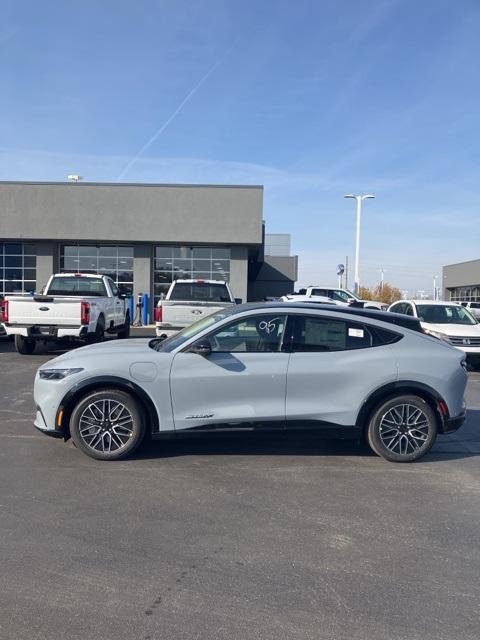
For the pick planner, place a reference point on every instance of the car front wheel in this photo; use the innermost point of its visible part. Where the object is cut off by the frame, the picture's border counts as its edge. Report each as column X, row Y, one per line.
column 107, row 424
column 402, row 429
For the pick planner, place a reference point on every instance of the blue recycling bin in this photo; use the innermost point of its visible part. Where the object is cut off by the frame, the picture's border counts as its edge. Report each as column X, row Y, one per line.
column 145, row 309
column 131, row 307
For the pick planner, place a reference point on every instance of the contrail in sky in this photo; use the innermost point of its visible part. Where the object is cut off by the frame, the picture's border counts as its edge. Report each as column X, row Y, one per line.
column 159, row 131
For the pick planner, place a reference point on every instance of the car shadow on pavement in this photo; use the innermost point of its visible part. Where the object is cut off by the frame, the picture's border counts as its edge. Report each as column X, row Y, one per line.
column 446, row 448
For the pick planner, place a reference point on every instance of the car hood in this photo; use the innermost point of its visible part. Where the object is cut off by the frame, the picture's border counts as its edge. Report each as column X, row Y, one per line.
column 463, row 330
column 133, row 347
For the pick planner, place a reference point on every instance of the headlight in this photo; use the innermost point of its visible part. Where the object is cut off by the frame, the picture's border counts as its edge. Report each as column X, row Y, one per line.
column 438, row 334
column 57, row 374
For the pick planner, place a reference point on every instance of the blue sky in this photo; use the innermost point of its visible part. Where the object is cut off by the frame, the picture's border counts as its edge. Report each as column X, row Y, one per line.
column 313, row 99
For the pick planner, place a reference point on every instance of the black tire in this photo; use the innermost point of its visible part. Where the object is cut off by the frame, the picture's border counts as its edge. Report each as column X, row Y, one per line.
column 25, row 346
column 99, row 438
column 402, row 428
column 99, row 334
column 125, row 332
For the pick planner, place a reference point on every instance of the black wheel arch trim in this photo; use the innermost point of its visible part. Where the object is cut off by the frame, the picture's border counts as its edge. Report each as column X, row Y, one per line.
column 97, row 382
column 426, row 392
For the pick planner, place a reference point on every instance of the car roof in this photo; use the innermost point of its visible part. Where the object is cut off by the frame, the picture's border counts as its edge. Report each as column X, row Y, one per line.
column 399, row 319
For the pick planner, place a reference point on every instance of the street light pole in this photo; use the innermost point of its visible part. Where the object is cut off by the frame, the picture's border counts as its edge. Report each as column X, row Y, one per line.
column 359, row 200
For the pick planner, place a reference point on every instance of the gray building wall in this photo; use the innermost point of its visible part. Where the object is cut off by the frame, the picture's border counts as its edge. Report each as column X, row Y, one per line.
column 125, row 213
column 45, row 262
column 142, row 271
column 276, row 277
column 239, row 272
column 277, row 244
column 462, row 274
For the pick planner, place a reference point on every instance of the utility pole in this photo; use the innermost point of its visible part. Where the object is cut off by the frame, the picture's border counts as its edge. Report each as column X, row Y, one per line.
column 359, row 200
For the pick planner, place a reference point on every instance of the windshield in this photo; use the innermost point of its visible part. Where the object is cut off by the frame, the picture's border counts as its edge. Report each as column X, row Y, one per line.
column 169, row 344
column 76, row 286
column 445, row 314
column 203, row 291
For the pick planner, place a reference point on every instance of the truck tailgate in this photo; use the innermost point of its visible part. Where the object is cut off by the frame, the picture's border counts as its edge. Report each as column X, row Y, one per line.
column 180, row 314
column 57, row 311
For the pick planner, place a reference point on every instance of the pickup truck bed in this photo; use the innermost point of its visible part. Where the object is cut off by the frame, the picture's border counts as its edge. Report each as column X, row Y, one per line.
column 55, row 317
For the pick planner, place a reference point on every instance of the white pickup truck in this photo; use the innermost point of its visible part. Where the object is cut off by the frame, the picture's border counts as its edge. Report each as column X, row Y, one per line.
column 72, row 305
column 190, row 300
column 340, row 296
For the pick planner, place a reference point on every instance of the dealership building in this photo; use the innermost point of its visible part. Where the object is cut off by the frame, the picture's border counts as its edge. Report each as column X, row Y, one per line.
column 142, row 235
column 461, row 281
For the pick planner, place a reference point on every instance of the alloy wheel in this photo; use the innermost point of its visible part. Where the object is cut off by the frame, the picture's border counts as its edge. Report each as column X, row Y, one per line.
column 106, row 426
column 404, row 429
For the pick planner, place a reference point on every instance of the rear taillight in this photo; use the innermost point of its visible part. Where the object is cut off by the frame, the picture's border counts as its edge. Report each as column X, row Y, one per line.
column 85, row 313
column 5, row 311
column 158, row 314
column 442, row 405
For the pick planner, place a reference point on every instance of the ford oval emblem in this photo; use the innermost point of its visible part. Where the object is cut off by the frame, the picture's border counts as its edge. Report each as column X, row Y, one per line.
column 44, row 308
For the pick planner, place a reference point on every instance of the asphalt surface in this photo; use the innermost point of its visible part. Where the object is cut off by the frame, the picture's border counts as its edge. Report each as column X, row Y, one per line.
column 234, row 539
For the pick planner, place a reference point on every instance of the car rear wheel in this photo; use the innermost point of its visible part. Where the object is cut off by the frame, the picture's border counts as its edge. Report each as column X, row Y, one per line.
column 402, row 429
column 25, row 346
column 107, row 424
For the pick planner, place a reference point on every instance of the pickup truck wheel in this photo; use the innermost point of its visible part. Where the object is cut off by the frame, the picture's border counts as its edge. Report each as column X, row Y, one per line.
column 125, row 332
column 25, row 346
column 99, row 333
column 107, row 424
column 402, row 429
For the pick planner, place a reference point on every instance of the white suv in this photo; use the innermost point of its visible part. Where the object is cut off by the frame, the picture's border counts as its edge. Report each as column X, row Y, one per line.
column 449, row 321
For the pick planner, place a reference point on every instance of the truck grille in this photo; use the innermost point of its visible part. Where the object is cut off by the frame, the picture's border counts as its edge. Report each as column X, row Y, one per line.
column 463, row 341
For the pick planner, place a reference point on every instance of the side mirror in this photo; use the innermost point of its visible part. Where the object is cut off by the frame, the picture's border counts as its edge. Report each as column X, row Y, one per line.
column 238, row 301
column 201, row 348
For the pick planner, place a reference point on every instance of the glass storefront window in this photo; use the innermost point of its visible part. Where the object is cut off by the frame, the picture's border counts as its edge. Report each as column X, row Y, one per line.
column 17, row 267
column 115, row 261
column 174, row 263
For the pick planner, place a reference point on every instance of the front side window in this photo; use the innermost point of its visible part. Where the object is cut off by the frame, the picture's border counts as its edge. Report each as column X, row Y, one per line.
column 398, row 308
column 114, row 288
column 253, row 334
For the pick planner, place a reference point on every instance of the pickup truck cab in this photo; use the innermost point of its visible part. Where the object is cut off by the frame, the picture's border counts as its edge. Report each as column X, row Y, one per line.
column 188, row 301
column 342, row 296
column 72, row 305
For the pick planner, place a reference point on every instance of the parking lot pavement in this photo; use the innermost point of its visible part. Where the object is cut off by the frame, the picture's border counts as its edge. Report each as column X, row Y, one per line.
column 234, row 539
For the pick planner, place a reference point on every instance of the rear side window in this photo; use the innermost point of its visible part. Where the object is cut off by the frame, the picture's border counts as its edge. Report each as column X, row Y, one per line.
column 200, row 291
column 320, row 333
